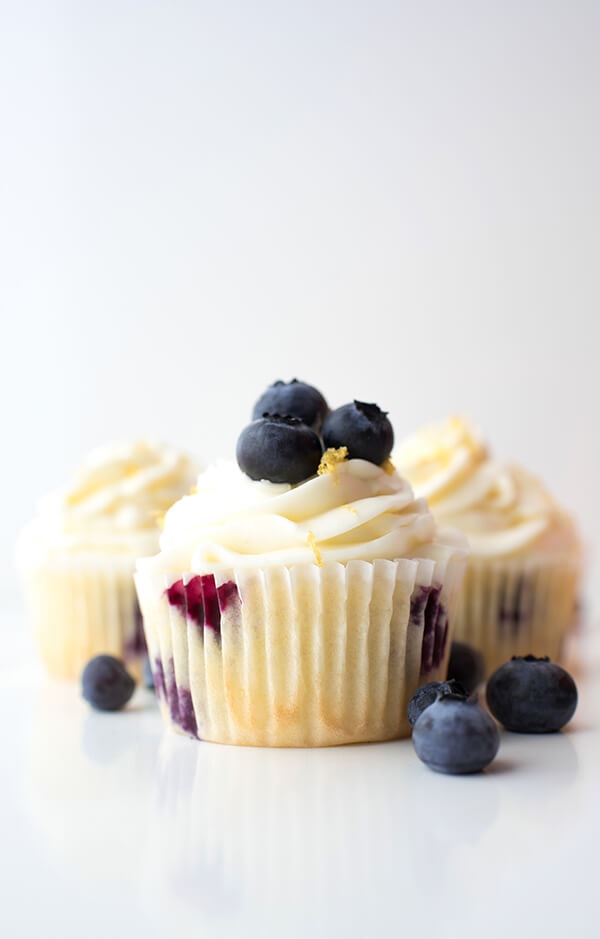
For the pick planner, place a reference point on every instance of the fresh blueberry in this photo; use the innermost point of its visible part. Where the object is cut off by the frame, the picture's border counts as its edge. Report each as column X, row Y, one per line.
column 282, row 449
column 106, row 683
column 531, row 695
column 466, row 665
column 363, row 428
column 455, row 735
column 428, row 693
column 296, row 398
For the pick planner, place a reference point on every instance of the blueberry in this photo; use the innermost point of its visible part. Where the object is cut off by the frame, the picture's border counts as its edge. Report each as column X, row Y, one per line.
column 363, row 428
column 295, row 398
column 455, row 735
column 466, row 665
column 106, row 683
column 427, row 694
column 280, row 449
column 531, row 695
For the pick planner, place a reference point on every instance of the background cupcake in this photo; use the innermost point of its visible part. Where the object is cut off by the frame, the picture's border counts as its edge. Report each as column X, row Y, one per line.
column 523, row 575
column 77, row 556
column 297, row 614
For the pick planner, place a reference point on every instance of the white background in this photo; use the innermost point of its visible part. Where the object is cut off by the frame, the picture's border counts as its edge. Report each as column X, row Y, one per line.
column 398, row 202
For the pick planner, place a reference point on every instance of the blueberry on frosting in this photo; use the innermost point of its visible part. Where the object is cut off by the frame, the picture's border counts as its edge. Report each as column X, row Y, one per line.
column 363, row 428
column 296, row 398
column 292, row 427
column 279, row 448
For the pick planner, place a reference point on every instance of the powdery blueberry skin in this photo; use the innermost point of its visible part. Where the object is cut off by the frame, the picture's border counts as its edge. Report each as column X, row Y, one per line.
column 296, row 398
column 428, row 693
column 530, row 695
column 363, row 428
column 106, row 684
column 455, row 735
column 279, row 448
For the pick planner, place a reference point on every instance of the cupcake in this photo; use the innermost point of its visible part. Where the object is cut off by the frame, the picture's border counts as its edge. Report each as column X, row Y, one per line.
column 522, row 579
column 301, row 612
column 77, row 556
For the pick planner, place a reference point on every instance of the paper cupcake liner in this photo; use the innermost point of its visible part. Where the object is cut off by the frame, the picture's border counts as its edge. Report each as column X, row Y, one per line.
column 301, row 655
column 80, row 608
column 517, row 608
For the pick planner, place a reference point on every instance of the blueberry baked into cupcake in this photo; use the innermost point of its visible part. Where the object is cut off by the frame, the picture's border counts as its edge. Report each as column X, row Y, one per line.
column 523, row 574
column 302, row 593
column 77, row 556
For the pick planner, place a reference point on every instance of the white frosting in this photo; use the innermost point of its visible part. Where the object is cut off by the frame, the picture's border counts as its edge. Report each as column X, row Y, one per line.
column 116, row 501
column 353, row 510
column 502, row 509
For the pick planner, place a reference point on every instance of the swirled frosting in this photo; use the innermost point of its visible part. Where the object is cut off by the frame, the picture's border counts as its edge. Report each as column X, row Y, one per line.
column 354, row 509
column 501, row 508
column 116, row 500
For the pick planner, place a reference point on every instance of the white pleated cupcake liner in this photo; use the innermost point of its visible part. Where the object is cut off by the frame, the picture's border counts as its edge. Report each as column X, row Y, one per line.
column 82, row 607
column 517, row 607
column 301, row 655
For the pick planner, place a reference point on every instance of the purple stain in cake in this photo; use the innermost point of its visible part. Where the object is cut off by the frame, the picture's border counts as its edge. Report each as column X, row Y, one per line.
column 426, row 609
column 135, row 646
column 159, row 679
column 187, row 715
column 418, row 601
column 202, row 601
column 515, row 611
column 430, row 614
column 195, row 601
column 178, row 699
column 176, row 596
column 441, row 636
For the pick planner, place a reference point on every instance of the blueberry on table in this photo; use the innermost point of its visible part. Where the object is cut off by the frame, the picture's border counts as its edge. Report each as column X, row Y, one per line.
column 531, row 695
column 363, row 428
column 296, row 398
column 427, row 694
column 106, row 683
column 455, row 735
column 466, row 665
column 281, row 449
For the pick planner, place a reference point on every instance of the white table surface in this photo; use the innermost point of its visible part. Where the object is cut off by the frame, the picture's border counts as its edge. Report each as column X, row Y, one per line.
column 112, row 825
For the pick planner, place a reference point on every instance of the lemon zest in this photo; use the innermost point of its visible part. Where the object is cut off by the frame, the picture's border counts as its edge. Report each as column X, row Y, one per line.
column 331, row 459
column 312, row 543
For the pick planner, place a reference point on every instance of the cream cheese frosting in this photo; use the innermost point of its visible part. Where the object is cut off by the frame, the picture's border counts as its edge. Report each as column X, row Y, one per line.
column 501, row 508
column 351, row 510
column 115, row 501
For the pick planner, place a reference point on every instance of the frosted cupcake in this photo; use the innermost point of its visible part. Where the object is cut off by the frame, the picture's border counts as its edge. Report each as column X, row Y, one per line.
column 522, row 579
column 77, row 556
column 298, row 613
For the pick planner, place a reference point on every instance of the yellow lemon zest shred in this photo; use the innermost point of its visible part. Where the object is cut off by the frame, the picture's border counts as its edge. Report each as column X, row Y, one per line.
column 312, row 542
column 332, row 457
